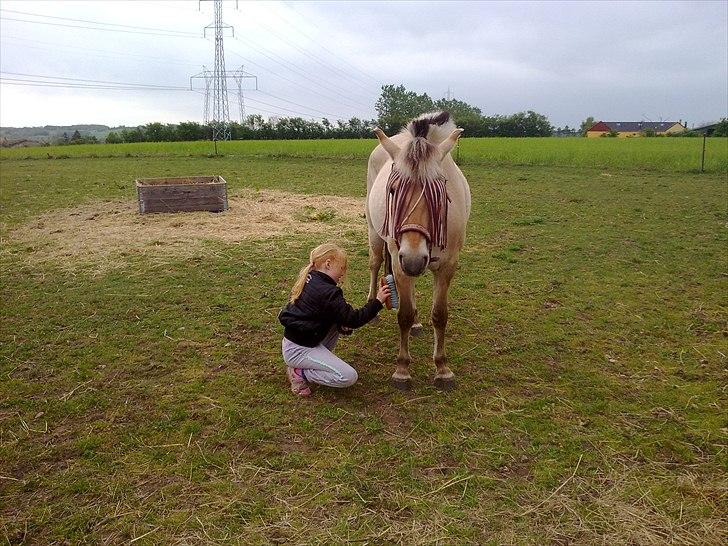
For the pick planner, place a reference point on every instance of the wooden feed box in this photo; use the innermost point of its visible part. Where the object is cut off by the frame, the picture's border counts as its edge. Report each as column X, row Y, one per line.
column 182, row 194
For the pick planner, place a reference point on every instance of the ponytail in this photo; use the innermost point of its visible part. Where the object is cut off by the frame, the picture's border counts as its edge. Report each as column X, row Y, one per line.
column 318, row 255
column 300, row 282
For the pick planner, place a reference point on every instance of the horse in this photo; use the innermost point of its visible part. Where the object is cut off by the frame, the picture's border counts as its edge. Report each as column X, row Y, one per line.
column 417, row 208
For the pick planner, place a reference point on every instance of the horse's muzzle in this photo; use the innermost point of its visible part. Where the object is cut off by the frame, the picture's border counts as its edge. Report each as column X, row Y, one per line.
column 414, row 265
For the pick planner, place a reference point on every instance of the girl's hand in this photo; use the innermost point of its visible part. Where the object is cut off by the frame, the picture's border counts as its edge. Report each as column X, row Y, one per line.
column 383, row 293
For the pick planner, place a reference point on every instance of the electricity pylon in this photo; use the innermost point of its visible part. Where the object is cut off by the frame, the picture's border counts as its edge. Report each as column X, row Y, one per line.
column 217, row 111
column 208, row 76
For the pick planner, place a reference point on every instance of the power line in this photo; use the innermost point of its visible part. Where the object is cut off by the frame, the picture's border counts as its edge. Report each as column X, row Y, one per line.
column 298, row 85
column 342, row 98
column 134, row 87
column 297, row 104
column 317, row 42
column 307, row 53
column 84, row 50
column 97, row 28
column 295, row 69
column 84, row 80
column 96, row 22
column 35, row 83
column 286, row 109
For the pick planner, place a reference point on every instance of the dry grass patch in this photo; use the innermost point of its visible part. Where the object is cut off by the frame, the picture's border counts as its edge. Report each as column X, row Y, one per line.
column 105, row 233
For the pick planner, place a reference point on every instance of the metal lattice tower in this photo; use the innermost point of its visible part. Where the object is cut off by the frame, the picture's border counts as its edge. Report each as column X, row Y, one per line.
column 220, row 111
column 217, row 110
column 238, row 75
column 208, row 81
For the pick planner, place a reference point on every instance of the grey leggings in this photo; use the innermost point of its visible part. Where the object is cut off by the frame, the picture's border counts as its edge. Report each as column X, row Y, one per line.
column 318, row 363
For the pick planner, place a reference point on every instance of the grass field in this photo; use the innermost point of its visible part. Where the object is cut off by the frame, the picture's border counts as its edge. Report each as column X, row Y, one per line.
column 142, row 393
column 661, row 154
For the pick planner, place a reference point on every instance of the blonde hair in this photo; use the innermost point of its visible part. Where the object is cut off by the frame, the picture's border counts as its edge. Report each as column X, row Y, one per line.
column 326, row 251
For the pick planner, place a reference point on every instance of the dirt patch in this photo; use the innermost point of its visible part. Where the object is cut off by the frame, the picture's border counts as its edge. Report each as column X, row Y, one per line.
column 106, row 233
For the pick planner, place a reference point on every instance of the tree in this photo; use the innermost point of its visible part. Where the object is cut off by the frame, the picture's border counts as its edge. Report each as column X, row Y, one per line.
column 468, row 117
column 158, row 132
column 721, row 130
column 113, row 138
column 190, row 130
column 133, row 135
column 396, row 106
column 587, row 124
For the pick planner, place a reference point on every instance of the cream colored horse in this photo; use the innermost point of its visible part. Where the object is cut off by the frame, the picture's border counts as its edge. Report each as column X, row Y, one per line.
column 420, row 155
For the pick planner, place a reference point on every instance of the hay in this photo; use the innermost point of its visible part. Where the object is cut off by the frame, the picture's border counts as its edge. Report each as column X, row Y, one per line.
column 105, row 234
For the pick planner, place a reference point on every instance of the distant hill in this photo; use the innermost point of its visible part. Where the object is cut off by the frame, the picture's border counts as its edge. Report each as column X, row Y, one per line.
column 53, row 133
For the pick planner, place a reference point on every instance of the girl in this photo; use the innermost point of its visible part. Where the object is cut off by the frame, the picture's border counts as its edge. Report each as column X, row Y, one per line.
column 315, row 316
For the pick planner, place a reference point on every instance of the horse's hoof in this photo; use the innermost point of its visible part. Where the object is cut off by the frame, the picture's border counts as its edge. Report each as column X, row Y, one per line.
column 402, row 384
column 417, row 330
column 445, row 383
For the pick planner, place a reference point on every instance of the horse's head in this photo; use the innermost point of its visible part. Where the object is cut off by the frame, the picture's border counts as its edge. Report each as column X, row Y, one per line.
column 417, row 199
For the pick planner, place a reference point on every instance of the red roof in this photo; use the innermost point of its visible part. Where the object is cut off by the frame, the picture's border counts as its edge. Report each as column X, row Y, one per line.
column 601, row 126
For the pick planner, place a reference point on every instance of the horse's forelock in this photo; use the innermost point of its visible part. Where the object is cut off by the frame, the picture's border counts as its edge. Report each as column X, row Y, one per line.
column 419, row 159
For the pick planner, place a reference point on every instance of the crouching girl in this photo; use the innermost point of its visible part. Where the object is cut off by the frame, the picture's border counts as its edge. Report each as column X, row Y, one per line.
column 315, row 316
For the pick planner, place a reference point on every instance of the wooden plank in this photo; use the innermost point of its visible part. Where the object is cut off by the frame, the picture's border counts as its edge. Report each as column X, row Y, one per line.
column 183, row 207
column 177, row 191
column 186, row 180
column 195, row 200
column 167, row 206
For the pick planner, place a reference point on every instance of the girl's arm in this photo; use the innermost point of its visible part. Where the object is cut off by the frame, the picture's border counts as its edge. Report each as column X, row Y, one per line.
column 344, row 314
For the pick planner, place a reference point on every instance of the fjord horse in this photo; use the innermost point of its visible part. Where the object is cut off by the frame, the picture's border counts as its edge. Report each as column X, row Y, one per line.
column 417, row 208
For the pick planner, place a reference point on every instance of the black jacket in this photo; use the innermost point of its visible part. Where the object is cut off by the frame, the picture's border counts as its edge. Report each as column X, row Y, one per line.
column 320, row 306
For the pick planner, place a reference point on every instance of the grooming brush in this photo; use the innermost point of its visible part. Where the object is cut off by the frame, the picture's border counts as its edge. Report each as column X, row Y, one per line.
column 393, row 300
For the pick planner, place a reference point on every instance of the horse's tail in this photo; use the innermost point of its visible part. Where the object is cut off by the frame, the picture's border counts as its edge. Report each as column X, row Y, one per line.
column 426, row 131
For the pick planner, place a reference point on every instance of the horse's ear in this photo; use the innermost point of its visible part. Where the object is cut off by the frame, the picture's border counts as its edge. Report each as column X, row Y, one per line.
column 388, row 144
column 447, row 144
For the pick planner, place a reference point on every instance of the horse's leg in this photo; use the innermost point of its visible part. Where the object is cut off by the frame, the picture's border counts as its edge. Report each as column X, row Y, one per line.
column 376, row 257
column 444, row 378
column 417, row 328
column 401, row 378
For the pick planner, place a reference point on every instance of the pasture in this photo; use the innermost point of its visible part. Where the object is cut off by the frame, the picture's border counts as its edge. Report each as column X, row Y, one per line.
column 143, row 396
column 662, row 154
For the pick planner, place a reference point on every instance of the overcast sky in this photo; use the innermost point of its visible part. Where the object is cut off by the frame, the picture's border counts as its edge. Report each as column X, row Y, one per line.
column 614, row 60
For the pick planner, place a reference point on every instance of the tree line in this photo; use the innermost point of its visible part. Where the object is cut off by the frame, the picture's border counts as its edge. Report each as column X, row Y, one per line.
column 395, row 107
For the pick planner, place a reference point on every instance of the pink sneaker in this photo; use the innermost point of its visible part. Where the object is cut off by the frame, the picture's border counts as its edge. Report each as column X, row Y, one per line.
column 299, row 386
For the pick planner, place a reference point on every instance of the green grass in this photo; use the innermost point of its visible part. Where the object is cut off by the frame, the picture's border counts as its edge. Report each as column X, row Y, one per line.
column 587, row 331
column 656, row 154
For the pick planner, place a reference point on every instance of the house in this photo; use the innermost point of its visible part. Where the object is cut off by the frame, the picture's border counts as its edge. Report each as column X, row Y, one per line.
column 635, row 128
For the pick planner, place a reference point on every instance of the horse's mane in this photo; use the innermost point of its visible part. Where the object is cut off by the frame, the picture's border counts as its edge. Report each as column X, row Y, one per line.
column 426, row 131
